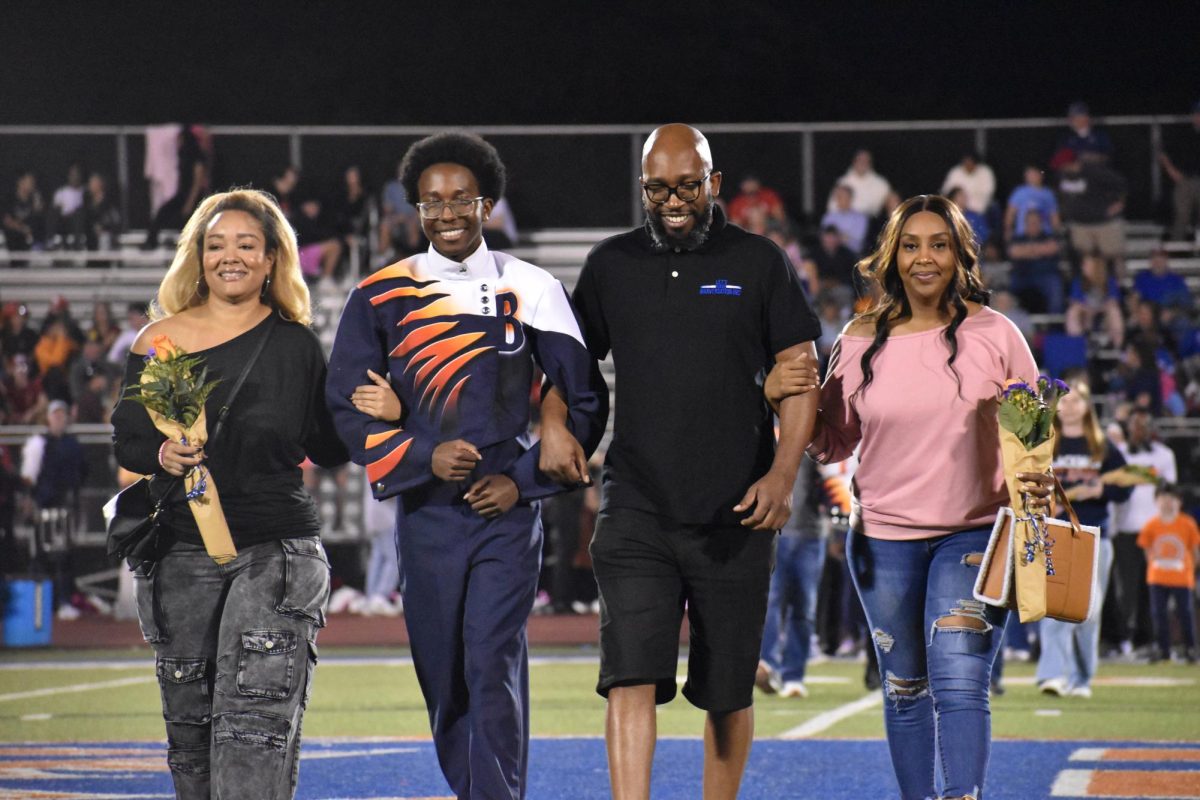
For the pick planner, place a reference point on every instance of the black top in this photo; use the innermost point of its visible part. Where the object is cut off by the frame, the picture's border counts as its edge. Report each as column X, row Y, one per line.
column 691, row 333
column 278, row 418
column 1085, row 196
column 838, row 265
column 1074, row 464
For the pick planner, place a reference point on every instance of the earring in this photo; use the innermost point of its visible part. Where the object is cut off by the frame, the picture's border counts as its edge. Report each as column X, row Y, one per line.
column 200, row 283
column 266, row 288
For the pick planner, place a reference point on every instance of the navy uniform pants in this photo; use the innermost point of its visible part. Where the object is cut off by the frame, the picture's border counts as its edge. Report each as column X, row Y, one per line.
column 468, row 585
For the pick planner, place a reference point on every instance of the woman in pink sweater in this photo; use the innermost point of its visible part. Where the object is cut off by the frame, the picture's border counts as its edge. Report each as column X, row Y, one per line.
column 912, row 386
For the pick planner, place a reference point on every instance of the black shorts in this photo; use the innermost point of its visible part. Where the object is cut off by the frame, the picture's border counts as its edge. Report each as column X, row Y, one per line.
column 647, row 567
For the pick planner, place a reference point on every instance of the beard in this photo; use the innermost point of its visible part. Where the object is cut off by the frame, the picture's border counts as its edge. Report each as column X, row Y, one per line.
column 664, row 239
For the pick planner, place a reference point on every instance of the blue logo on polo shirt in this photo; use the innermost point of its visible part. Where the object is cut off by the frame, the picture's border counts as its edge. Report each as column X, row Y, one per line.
column 721, row 287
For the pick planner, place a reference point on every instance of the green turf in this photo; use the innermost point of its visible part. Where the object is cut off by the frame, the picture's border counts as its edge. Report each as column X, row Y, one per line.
column 383, row 700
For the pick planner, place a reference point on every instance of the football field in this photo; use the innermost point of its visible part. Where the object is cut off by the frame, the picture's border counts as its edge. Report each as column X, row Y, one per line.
column 87, row 724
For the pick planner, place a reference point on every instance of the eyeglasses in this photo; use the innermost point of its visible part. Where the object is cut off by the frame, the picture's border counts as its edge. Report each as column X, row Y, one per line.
column 461, row 207
column 659, row 193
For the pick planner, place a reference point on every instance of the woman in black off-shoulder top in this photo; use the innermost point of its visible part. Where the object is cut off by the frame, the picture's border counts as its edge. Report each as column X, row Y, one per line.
column 235, row 643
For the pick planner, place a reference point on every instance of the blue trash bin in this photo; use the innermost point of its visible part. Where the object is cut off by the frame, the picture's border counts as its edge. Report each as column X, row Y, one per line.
column 29, row 613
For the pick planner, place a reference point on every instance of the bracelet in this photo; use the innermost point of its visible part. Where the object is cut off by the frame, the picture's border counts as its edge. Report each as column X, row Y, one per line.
column 162, row 447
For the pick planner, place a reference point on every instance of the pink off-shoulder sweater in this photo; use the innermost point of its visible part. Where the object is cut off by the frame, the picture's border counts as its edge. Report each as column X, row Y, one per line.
column 928, row 448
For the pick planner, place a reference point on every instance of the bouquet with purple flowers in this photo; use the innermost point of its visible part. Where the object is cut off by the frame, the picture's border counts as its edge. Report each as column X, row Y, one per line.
column 1028, row 412
column 1026, row 416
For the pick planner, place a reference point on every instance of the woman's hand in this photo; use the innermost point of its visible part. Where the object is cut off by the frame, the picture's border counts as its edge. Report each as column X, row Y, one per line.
column 377, row 399
column 792, row 377
column 492, row 495
column 179, row 459
column 1038, row 490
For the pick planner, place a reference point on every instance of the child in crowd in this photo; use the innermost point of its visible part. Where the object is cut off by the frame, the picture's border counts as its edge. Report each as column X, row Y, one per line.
column 1171, row 541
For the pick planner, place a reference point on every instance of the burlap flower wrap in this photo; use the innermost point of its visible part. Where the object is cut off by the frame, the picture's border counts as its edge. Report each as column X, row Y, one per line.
column 1027, row 440
column 1030, row 574
column 203, row 499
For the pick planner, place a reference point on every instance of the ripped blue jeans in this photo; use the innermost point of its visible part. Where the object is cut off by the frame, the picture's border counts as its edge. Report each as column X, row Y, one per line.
column 936, row 645
column 235, row 649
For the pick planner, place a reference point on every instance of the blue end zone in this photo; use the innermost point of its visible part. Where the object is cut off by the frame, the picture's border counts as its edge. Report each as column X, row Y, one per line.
column 560, row 769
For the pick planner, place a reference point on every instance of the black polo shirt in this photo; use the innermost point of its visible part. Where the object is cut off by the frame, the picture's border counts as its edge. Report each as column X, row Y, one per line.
column 691, row 334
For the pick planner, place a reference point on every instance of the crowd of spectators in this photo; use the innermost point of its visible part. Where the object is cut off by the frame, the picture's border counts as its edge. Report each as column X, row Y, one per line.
column 54, row 372
column 80, row 215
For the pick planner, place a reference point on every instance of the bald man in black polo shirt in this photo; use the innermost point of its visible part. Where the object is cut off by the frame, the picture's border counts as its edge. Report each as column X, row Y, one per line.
column 694, row 311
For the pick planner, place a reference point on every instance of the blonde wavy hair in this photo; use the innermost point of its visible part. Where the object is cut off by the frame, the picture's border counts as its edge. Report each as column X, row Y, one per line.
column 287, row 293
column 1092, row 430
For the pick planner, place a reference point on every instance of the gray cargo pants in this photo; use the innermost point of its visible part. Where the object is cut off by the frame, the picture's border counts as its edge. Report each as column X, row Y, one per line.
column 235, row 649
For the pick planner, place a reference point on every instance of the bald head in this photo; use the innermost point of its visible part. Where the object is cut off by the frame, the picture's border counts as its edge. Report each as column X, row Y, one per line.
column 677, row 173
column 675, row 140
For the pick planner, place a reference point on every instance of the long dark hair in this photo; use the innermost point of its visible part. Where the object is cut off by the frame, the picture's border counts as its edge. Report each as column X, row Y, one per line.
column 893, row 305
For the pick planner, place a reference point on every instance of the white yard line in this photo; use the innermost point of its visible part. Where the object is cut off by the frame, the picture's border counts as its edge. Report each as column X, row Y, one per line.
column 1072, row 783
column 827, row 719
column 374, row 751
column 1088, row 754
column 77, row 687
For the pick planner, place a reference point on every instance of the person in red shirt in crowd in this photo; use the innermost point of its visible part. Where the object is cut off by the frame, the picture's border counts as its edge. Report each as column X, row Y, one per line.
column 752, row 195
column 1171, row 541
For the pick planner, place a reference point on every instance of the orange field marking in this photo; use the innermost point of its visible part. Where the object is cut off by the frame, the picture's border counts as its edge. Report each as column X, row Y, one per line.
column 16, row 768
column 1144, row 783
column 1151, row 754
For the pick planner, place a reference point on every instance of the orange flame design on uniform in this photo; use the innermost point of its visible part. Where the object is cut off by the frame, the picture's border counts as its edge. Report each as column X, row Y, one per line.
column 435, row 358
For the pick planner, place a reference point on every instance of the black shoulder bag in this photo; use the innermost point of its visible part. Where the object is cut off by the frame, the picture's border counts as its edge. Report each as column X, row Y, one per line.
column 133, row 516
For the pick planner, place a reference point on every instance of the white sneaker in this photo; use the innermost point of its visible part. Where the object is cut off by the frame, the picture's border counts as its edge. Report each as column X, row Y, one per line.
column 1054, row 686
column 379, row 606
column 1081, row 691
column 67, row 612
column 341, row 600
column 794, row 689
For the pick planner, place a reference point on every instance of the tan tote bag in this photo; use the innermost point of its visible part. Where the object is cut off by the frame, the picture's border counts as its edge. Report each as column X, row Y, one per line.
column 1070, row 594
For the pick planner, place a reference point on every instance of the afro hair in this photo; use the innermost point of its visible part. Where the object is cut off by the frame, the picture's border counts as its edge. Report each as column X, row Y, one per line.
column 453, row 147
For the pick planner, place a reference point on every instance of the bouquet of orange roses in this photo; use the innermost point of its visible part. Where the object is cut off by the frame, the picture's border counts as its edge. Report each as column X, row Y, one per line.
column 173, row 389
